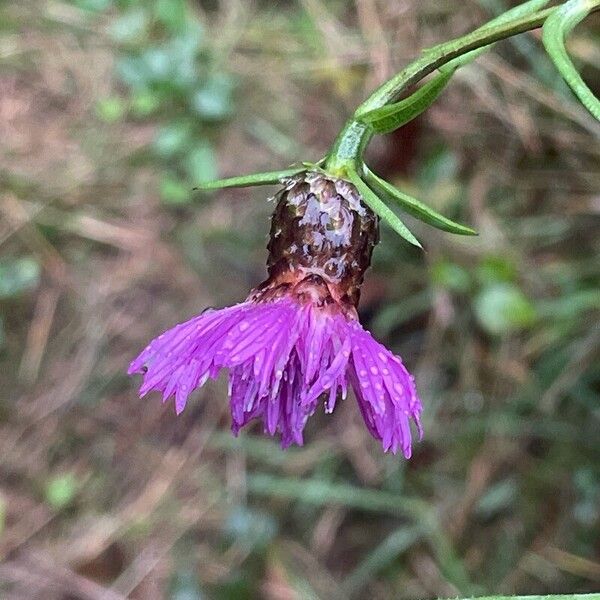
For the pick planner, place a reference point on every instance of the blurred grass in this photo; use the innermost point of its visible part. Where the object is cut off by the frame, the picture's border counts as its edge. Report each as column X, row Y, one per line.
column 111, row 111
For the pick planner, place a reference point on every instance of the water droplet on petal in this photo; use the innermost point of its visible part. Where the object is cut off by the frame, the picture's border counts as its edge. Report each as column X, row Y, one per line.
column 375, row 370
column 362, row 373
column 382, row 357
column 244, row 325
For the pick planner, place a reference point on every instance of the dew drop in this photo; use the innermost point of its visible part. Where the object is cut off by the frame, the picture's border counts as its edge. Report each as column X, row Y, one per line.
column 244, row 325
column 382, row 357
column 362, row 373
column 375, row 370
column 365, row 384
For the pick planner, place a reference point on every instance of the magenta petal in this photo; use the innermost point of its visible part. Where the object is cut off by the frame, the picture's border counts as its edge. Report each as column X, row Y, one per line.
column 284, row 356
column 179, row 359
column 385, row 391
column 329, row 379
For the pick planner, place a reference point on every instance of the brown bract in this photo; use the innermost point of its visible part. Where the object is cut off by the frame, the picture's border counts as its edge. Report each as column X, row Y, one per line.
column 321, row 241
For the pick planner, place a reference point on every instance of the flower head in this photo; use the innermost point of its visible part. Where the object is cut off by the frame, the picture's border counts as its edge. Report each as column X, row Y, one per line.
column 296, row 339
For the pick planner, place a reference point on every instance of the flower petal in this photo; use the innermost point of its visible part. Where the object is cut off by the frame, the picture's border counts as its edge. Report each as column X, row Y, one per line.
column 385, row 391
column 283, row 356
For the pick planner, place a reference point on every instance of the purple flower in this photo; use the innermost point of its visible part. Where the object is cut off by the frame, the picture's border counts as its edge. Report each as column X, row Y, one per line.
column 297, row 338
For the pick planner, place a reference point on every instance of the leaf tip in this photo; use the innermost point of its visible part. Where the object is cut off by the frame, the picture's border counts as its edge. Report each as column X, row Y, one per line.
column 470, row 231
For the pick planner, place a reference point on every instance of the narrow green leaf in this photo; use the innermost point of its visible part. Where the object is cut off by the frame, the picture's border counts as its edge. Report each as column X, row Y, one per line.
column 381, row 209
column 391, row 117
column 415, row 207
column 251, row 180
column 555, row 30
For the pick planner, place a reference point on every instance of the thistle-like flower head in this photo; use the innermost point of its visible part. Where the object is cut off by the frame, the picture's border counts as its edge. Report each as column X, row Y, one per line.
column 296, row 338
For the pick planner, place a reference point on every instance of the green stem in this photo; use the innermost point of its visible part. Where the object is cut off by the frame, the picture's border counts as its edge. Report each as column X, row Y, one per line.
column 556, row 28
column 348, row 148
column 440, row 55
column 352, row 141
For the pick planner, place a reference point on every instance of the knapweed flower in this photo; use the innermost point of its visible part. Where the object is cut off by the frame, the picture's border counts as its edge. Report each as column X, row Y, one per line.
column 296, row 338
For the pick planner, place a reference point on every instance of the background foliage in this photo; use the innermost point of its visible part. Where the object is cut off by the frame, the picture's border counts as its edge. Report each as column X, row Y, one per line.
column 111, row 111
